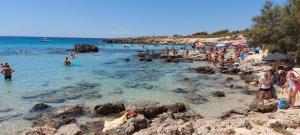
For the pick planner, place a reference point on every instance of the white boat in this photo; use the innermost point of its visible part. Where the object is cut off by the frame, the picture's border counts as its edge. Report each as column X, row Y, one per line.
column 45, row 40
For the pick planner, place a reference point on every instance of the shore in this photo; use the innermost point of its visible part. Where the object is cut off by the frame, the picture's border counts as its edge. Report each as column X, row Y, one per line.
column 209, row 101
column 151, row 118
column 174, row 40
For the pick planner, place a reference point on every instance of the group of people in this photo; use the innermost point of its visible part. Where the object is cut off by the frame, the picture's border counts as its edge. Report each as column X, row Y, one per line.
column 67, row 61
column 6, row 70
column 173, row 52
column 284, row 77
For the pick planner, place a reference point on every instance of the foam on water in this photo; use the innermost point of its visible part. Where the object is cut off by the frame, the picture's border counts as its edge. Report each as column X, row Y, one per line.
column 101, row 77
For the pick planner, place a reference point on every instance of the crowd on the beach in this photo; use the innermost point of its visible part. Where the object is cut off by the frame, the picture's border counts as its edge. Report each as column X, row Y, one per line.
column 280, row 78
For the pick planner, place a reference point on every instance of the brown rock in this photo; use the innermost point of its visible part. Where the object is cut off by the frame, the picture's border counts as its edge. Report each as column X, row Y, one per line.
column 85, row 48
column 71, row 129
column 109, row 108
column 46, row 130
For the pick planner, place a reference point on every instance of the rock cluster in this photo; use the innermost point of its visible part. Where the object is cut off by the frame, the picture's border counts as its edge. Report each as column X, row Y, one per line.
column 85, row 48
column 205, row 70
column 175, row 119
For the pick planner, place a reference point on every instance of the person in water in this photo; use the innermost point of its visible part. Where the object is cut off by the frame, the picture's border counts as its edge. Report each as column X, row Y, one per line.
column 7, row 71
column 2, row 66
column 73, row 56
column 67, row 62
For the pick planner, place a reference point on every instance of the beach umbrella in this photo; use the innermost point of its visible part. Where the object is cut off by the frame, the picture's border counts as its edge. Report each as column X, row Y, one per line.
column 277, row 57
column 220, row 45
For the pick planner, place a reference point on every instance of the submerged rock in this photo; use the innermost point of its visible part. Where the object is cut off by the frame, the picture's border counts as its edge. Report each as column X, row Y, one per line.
column 54, row 100
column 145, row 59
column 73, row 96
column 40, row 107
column 41, row 94
column 195, row 98
column 180, row 91
column 218, row 93
column 109, row 108
column 205, row 70
column 33, row 116
column 5, row 110
column 10, row 116
column 86, row 85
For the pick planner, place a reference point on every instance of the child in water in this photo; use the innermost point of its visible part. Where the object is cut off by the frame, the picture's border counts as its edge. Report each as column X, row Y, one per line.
column 67, row 62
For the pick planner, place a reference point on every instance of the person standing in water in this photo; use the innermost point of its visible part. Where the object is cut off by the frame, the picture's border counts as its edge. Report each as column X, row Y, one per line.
column 7, row 71
column 67, row 62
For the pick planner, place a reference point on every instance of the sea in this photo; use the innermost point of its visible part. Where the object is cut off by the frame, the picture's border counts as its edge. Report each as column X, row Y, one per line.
column 102, row 77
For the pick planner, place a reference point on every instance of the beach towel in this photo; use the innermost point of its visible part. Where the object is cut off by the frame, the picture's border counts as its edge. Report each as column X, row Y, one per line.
column 115, row 123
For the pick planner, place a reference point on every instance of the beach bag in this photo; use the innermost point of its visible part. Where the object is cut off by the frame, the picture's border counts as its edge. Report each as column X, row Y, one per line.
column 283, row 103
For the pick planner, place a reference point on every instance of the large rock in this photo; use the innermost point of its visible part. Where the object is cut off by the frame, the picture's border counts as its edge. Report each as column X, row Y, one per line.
column 53, row 122
column 177, row 107
column 67, row 112
column 153, row 110
column 109, row 108
column 71, row 129
column 46, row 130
column 263, row 106
column 171, row 124
column 85, row 48
column 131, row 126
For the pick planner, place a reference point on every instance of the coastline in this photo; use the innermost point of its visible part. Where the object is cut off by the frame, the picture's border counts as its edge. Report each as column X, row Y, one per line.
column 174, row 40
column 232, row 120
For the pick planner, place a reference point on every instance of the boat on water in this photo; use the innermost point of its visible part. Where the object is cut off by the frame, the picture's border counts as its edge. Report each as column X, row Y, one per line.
column 45, row 40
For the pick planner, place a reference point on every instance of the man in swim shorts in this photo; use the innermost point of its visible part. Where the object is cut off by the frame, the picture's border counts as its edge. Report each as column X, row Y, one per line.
column 7, row 71
column 67, row 62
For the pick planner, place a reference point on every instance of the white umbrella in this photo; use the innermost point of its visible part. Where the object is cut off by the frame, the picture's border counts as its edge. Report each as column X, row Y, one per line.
column 220, row 45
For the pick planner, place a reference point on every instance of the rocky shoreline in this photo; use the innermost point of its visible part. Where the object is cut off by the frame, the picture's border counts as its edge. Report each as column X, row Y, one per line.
column 155, row 119
column 166, row 40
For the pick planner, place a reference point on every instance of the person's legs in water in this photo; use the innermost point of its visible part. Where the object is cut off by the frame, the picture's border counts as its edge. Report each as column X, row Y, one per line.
column 7, row 77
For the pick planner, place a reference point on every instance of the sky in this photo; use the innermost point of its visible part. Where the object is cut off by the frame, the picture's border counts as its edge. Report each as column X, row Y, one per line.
column 124, row 18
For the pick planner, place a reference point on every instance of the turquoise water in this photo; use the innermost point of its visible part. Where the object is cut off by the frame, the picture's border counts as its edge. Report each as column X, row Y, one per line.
column 102, row 77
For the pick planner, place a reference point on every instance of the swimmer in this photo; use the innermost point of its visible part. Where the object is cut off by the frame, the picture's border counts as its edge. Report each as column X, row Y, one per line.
column 67, row 62
column 7, row 71
column 2, row 66
column 73, row 56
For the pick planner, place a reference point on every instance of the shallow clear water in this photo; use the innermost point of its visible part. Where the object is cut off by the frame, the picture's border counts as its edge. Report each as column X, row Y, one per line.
column 102, row 77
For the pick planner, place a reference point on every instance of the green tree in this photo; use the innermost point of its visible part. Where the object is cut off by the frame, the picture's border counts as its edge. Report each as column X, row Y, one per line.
column 278, row 27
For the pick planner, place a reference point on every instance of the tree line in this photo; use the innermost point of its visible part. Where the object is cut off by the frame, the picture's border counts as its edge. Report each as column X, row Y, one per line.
column 277, row 27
